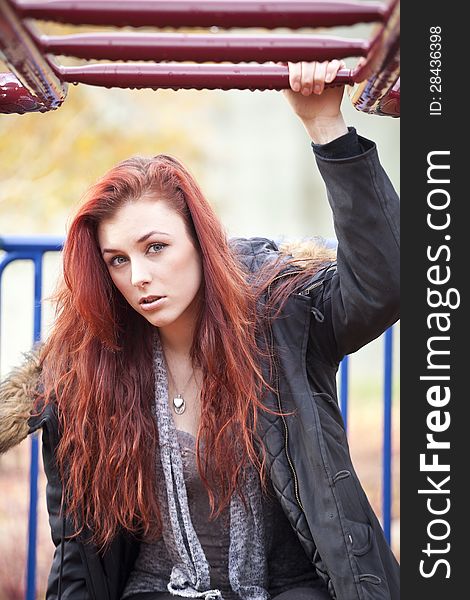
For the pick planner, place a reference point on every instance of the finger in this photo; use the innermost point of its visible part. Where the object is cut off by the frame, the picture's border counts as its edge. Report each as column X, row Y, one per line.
column 308, row 71
column 295, row 73
column 332, row 69
column 319, row 77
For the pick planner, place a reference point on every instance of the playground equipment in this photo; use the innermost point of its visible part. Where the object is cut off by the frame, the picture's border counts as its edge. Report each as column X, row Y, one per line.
column 38, row 82
column 215, row 59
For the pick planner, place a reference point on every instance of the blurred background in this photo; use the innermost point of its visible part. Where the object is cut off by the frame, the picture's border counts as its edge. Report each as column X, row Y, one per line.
column 253, row 160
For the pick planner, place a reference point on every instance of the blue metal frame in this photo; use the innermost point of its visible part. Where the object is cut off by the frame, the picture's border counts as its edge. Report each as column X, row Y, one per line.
column 387, row 424
column 387, row 437
column 33, row 248
column 23, row 248
column 344, row 389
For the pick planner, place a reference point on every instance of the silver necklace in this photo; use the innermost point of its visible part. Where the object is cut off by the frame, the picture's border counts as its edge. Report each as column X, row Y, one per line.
column 179, row 403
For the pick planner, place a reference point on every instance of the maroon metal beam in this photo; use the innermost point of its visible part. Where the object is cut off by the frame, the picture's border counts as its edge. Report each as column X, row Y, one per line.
column 27, row 62
column 15, row 98
column 389, row 105
column 44, row 83
column 379, row 73
column 177, row 76
column 193, row 13
column 202, row 48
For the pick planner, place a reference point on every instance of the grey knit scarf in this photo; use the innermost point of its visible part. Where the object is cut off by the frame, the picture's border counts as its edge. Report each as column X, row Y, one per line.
column 190, row 576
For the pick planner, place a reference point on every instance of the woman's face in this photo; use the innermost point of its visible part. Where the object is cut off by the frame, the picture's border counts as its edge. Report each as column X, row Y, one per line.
column 153, row 262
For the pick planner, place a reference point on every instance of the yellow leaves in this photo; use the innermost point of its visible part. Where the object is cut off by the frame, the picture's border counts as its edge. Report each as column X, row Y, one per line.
column 49, row 160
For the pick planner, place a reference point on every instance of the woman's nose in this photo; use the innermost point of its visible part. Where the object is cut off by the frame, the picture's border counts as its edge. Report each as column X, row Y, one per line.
column 140, row 274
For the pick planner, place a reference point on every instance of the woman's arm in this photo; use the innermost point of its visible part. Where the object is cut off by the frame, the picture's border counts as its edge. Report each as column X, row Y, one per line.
column 362, row 299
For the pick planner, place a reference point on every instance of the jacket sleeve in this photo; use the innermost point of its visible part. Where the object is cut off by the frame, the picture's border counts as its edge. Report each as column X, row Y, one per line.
column 361, row 300
column 67, row 555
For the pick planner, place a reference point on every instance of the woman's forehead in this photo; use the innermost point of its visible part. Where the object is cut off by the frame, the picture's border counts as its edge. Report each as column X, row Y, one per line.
column 138, row 218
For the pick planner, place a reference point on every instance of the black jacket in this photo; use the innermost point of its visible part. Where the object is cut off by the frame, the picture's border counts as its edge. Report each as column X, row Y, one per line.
column 347, row 304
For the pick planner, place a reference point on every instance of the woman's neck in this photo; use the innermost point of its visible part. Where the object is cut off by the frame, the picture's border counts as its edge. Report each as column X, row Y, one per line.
column 178, row 341
column 177, row 338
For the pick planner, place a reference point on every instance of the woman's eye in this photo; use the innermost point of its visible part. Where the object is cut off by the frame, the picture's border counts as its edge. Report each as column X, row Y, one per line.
column 154, row 248
column 117, row 260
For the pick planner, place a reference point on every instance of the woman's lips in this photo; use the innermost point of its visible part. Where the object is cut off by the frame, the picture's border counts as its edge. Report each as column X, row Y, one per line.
column 153, row 304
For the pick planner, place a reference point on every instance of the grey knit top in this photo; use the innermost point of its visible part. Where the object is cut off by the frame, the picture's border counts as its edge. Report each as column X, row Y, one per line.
column 246, row 554
column 288, row 565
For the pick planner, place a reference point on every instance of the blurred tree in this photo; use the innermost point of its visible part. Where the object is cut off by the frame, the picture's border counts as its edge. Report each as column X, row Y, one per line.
column 48, row 160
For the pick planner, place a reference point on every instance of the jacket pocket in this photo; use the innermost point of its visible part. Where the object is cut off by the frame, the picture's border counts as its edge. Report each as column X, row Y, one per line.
column 331, row 420
column 338, row 459
column 360, row 537
column 359, row 528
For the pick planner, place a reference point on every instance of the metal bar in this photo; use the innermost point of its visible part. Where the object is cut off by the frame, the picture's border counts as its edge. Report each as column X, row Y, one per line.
column 38, row 294
column 220, row 13
column 389, row 104
column 387, row 436
column 201, row 48
column 27, row 62
column 10, row 257
column 15, row 250
column 32, row 520
column 29, row 246
column 379, row 73
column 15, row 98
column 45, row 84
column 344, row 390
column 178, row 76
column 33, row 506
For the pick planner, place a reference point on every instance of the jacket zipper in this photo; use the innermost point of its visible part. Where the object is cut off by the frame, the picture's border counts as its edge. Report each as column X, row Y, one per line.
column 278, row 396
column 296, row 485
column 316, row 283
column 286, row 438
column 286, row 430
column 311, row 287
column 280, row 276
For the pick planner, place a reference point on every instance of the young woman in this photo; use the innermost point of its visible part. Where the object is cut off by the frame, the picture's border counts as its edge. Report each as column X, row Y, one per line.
column 191, row 432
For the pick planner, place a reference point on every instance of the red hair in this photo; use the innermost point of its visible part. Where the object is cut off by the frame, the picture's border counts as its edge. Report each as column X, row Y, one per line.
column 98, row 369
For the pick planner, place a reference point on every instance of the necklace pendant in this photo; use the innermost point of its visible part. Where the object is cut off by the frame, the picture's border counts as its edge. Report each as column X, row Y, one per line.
column 179, row 404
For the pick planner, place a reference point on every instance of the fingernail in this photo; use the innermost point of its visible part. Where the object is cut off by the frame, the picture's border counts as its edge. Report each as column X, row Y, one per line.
column 317, row 89
column 296, row 86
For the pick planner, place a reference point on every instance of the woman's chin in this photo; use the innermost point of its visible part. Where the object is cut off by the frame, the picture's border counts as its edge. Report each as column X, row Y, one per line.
column 158, row 320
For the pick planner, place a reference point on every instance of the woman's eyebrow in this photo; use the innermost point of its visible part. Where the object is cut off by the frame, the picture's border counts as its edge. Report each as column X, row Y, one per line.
column 149, row 234
column 139, row 241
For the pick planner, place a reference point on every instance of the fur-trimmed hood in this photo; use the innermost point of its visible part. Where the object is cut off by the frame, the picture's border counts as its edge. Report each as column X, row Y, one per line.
column 17, row 393
column 18, row 390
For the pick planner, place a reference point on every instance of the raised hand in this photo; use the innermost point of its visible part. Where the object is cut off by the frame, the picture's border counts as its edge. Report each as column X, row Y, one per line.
column 318, row 107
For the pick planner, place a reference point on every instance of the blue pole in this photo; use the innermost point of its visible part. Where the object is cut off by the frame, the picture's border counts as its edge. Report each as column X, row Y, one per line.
column 387, row 441
column 34, row 468
column 344, row 389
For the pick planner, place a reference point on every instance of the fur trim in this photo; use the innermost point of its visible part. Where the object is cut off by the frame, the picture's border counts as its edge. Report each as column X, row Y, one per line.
column 17, row 394
column 308, row 251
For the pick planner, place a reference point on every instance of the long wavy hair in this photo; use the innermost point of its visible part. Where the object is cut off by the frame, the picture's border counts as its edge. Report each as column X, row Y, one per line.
column 97, row 363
